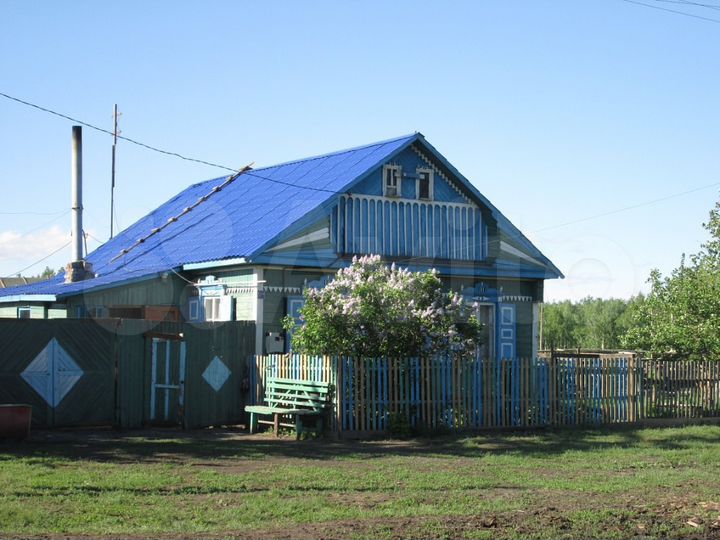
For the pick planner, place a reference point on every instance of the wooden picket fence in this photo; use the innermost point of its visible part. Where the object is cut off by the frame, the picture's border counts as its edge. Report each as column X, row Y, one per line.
column 445, row 392
column 677, row 389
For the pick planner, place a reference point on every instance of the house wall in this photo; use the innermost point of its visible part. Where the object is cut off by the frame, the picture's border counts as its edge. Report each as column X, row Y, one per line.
column 520, row 293
column 236, row 283
column 37, row 311
column 285, row 284
column 280, row 285
column 171, row 291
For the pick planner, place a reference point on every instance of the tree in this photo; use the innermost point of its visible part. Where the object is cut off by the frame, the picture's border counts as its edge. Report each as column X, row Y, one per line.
column 372, row 310
column 591, row 323
column 47, row 273
column 560, row 325
column 680, row 317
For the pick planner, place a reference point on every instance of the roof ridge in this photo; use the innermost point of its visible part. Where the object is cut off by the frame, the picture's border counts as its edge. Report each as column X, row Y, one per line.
column 311, row 158
column 338, row 152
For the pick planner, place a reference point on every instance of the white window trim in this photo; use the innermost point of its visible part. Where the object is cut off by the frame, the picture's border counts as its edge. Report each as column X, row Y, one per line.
column 431, row 186
column 398, row 187
column 218, row 308
column 24, row 309
column 211, row 307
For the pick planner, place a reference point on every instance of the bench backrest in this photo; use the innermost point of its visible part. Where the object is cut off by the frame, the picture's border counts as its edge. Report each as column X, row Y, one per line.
column 297, row 394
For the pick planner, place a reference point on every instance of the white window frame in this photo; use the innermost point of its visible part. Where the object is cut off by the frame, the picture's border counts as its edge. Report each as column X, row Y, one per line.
column 218, row 308
column 24, row 309
column 431, row 184
column 396, row 172
column 211, row 307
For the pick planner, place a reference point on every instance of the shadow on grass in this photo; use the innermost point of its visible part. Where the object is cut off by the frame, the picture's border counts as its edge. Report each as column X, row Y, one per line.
column 227, row 444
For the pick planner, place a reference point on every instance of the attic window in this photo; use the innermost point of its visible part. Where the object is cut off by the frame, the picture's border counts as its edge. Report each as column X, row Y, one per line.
column 425, row 181
column 392, row 176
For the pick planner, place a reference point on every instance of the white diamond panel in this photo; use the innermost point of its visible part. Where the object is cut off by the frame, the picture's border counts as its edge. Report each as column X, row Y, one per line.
column 52, row 373
column 216, row 374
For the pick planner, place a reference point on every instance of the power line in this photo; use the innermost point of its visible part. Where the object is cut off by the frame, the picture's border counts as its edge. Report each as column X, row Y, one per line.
column 631, row 207
column 43, row 259
column 94, row 238
column 310, row 188
column 685, row 13
column 108, row 132
column 66, row 212
column 173, row 219
column 521, row 236
column 689, row 3
column 32, row 213
column 160, row 150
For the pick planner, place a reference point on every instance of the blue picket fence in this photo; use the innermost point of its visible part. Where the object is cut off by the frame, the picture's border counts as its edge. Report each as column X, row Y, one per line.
column 455, row 393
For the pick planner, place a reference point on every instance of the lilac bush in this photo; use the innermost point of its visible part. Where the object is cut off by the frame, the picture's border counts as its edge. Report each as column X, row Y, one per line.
column 372, row 310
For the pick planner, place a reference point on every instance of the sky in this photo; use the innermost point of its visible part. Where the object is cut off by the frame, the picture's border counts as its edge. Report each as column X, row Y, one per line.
column 593, row 125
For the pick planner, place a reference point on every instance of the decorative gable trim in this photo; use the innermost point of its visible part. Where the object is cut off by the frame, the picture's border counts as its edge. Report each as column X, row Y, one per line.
column 439, row 173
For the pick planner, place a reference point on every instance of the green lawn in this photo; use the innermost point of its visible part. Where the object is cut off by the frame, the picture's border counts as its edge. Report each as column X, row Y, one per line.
column 554, row 484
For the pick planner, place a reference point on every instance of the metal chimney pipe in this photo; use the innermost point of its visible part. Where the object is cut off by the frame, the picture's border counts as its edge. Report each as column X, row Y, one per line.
column 77, row 208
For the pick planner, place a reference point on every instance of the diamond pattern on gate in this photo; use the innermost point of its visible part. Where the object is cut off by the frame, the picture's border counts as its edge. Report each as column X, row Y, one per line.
column 216, row 374
column 52, row 373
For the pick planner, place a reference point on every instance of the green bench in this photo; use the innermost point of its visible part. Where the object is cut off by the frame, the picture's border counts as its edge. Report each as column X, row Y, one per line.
column 291, row 398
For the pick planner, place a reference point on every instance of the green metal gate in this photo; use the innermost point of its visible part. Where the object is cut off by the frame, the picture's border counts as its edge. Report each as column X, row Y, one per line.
column 167, row 383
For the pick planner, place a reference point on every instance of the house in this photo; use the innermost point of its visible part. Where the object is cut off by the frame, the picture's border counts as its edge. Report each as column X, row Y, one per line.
column 22, row 312
column 245, row 247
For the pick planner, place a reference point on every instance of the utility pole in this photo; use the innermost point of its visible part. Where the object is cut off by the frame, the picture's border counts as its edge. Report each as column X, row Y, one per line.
column 112, row 180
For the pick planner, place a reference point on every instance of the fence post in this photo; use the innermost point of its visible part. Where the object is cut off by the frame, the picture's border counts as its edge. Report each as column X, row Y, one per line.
column 337, row 364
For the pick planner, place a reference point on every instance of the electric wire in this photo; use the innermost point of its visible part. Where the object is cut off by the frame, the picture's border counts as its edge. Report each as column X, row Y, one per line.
column 689, row 3
column 685, row 13
column 160, row 150
column 31, row 213
column 43, row 259
column 626, row 208
column 254, row 174
column 108, row 132
column 94, row 237
column 66, row 212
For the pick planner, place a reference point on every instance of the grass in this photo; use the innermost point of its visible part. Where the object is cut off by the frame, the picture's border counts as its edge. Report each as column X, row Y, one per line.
column 556, row 484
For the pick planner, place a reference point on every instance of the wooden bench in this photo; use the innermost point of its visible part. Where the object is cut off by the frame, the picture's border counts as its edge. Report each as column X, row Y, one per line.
column 291, row 397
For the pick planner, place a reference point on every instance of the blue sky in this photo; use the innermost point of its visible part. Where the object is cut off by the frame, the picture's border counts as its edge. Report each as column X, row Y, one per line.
column 557, row 111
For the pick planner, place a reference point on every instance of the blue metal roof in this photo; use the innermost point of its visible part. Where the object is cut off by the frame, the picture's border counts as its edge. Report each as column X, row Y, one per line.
column 235, row 222
column 243, row 218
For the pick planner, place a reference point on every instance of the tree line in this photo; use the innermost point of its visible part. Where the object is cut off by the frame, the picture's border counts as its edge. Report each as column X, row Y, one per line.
column 678, row 318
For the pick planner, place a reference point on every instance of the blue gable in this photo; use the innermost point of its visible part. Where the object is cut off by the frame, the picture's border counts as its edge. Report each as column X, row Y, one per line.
column 410, row 160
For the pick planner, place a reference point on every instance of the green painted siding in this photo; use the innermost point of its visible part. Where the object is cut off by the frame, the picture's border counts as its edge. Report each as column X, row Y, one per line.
column 154, row 292
column 244, row 276
column 37, row 311
column 59, row 312
column 275, row 306
column 523, row 329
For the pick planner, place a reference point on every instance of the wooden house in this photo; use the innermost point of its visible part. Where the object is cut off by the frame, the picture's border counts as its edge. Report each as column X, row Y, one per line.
column 245, row 249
